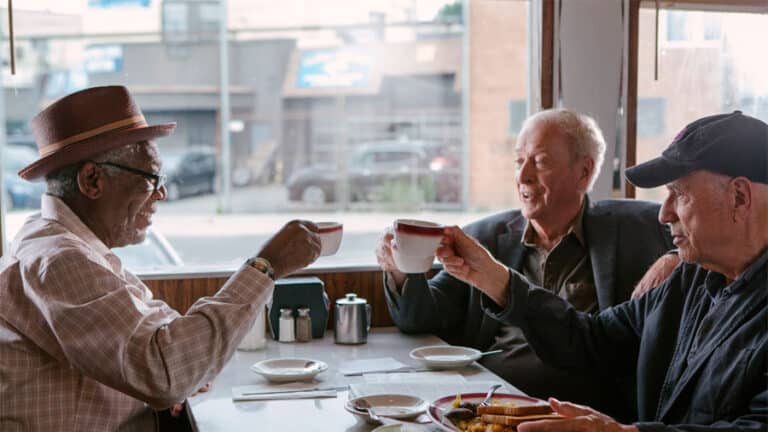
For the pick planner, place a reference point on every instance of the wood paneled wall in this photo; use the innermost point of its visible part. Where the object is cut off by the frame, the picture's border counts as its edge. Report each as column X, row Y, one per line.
column 181, row 293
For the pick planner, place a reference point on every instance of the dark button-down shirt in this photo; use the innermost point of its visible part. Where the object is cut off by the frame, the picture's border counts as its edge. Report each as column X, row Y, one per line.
column 565, row 270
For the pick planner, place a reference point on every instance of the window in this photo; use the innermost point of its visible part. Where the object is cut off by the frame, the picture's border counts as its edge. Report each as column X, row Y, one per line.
column 518, row 111
column 344, row 110
column 677, row 26
column 651, row 116
column 715, row 71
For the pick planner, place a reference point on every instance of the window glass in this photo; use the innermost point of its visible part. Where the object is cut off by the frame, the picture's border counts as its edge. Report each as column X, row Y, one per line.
column 345, row 110
column 713, row 69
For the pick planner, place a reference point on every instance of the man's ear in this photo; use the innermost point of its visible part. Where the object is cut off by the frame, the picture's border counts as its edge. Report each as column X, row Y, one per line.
column 91, row 180
column 740, row 190
column 587, row 168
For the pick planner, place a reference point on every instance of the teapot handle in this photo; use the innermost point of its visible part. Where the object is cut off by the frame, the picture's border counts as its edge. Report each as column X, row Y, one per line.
column 368, row 316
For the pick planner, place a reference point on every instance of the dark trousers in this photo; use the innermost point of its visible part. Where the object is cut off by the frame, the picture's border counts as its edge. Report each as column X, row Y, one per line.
column 168, row 423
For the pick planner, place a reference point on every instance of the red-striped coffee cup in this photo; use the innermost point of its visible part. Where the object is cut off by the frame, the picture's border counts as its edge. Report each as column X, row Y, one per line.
column 330, row 237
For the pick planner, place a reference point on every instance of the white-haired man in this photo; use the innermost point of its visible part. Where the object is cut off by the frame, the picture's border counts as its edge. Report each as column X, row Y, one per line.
column 590, row 253
column 695, row 345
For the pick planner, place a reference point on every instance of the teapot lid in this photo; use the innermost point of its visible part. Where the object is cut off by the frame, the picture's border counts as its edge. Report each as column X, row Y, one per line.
column 351, row 299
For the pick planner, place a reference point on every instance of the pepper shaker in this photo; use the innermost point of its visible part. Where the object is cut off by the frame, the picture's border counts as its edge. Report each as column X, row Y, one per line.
column 303, row 326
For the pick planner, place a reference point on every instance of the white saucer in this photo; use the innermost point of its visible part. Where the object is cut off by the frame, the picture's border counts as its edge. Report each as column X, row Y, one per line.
column 445, row 356
column 396, row 406
column 289, row 369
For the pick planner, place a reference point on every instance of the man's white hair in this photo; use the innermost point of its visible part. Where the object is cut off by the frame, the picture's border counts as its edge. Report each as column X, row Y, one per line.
column 63, row 182
column 582, row 131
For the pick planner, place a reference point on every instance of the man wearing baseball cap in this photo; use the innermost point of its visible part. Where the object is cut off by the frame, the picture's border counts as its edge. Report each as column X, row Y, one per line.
column 696, row 345
column 83, row 345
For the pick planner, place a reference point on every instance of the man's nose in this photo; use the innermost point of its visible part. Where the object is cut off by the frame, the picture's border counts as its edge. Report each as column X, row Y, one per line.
column 163, row 192
column 666, row 213
column 525, row 172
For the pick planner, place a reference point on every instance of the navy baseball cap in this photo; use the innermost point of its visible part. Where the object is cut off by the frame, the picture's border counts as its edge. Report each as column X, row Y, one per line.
column 735, row 145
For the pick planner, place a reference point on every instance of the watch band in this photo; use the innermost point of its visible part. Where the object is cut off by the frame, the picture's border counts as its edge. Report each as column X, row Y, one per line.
column 263, row 265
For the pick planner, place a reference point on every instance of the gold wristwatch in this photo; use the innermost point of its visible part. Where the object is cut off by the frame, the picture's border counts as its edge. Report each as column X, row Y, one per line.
column 263, row 265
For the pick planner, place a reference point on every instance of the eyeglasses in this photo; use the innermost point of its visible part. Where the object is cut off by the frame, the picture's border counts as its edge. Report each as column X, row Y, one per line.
column 157, row 180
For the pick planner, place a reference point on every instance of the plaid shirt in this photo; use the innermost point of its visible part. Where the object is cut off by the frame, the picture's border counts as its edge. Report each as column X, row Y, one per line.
column 85, row 347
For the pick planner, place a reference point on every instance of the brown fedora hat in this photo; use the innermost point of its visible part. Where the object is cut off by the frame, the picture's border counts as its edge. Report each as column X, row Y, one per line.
column 85, row 124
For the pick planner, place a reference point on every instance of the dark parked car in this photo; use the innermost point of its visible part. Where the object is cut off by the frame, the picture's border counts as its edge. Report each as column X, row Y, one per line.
column 19, row 193
column 383, row 171
column 190, row 171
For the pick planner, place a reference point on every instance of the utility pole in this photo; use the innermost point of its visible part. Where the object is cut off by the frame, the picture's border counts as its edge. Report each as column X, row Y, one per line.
column 225, row 197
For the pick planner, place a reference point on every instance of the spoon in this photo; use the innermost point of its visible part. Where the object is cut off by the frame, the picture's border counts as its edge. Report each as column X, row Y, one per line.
column 487, row 399
column 363, row 405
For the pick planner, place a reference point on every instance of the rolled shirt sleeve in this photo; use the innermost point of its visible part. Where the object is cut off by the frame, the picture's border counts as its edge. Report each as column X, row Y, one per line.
column 107, row 329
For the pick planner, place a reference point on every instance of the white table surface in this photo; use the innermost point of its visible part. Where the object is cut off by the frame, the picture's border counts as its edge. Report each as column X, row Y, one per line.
column 215, row 411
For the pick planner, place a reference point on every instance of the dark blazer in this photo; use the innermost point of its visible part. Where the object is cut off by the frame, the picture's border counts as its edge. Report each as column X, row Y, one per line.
column 623, row 237
column 717, row 383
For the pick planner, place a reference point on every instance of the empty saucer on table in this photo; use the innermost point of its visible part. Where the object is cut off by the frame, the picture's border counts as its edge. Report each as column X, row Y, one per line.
column 396, row 406
column 445, row 356
column 289, row 369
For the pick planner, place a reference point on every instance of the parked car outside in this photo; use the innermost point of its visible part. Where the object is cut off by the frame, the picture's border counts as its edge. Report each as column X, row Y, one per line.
column 154, row 252
column 17, row 192
column 383, row 171
column 190, row 171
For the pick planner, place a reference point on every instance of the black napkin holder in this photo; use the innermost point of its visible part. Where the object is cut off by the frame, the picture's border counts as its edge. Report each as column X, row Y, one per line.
column 299, row 292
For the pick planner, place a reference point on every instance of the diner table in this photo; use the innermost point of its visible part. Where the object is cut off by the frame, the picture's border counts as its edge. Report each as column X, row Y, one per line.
column 215, row 410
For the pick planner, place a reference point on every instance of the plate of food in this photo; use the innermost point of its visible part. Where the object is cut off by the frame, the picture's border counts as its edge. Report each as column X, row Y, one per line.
column 462, row 412
column 289, row 369
column 445, row 356
column 396, row 406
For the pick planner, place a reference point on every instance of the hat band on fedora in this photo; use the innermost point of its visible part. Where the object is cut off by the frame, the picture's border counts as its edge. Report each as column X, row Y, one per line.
column 109, row 127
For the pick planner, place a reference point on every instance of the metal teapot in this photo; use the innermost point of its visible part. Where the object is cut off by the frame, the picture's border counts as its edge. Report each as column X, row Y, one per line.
column 352, row 320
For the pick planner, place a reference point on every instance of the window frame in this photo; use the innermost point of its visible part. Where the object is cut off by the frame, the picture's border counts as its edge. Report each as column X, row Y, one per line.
column 752, row 6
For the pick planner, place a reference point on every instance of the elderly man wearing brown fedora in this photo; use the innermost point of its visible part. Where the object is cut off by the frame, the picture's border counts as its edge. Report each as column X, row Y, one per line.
column 83, row 345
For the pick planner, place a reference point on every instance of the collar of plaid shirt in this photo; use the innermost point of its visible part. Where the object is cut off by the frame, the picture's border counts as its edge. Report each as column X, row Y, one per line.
column 54, row 209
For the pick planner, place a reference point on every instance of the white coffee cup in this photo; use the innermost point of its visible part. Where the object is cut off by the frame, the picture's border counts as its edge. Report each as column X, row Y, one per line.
column 417, row 238
column 411, row 264
column 330, row 237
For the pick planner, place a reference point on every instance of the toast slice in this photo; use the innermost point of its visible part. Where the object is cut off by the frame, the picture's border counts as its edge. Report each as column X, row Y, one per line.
column 519, row 410
column 507, row 420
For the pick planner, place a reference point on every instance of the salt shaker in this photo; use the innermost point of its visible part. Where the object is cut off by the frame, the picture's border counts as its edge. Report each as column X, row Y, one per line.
column 303, row 326
column 255, row 338
column 286, row 326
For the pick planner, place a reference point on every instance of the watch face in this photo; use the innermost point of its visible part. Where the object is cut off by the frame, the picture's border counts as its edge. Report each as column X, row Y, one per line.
column 261, row 265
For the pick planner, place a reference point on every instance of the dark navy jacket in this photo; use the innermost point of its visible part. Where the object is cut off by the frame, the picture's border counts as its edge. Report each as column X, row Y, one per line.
column 697, row 348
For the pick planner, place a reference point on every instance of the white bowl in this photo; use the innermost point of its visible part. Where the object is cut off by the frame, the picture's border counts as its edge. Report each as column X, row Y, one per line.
column 289, row 369
column 396, row 406
column 445, row 356
column 330, row 237
column 416, row 237
column 411, row 264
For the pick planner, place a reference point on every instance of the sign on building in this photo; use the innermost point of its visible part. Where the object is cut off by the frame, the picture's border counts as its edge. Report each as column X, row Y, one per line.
column 118, row 3
column 334, row 68
column 104, row 59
